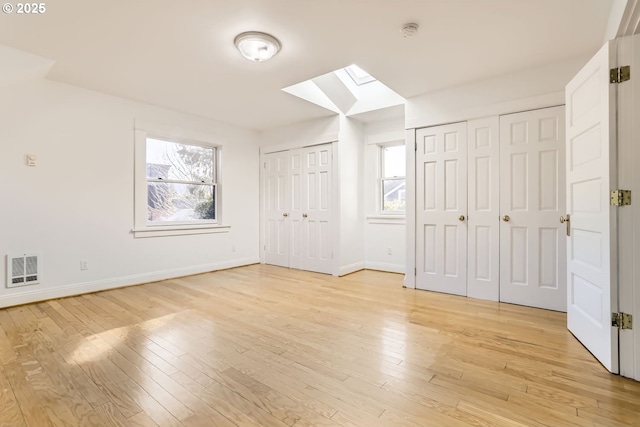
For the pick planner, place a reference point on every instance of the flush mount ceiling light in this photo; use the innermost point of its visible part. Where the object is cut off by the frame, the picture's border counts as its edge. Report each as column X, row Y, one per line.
column 257, row 46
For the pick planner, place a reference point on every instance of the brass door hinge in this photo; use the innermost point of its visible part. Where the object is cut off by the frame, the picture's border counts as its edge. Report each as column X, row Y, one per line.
column 620, row 197
column 622, row 320
column 620, row 74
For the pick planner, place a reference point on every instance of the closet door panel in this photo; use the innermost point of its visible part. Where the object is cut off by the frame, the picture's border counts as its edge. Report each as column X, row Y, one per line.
column 483, row 279
column 532, row 198
column 441, row 173
column 277, row 201
column 296, row 197
column 316, row 209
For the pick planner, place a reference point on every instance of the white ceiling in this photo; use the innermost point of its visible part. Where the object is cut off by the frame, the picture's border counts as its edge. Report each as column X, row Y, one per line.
column 179, row 54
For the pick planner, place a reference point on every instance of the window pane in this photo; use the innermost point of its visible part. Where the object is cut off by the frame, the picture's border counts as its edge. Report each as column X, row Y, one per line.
column 182, row 162
column 359, row 75
column 180, row 202
column 394, row 161
column 394, row 195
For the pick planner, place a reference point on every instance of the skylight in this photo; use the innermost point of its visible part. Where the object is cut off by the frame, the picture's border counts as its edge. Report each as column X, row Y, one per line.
column 359, row 75
column 348, row 90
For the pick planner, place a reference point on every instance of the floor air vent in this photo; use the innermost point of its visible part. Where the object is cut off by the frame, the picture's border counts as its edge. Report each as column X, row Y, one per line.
column 23, row 270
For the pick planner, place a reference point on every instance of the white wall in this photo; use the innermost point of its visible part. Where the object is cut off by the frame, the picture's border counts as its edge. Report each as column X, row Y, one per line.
column 77, row 204
column 318, row 131
column 382, row 234
column 350, row 176
column 525, row 90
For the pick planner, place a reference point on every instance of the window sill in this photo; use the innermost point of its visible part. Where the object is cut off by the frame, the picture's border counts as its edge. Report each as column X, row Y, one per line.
column 179, row 230
column 387, row 219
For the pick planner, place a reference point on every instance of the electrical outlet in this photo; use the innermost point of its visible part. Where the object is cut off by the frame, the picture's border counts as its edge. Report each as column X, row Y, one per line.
column 84, row 265
column 389, row 251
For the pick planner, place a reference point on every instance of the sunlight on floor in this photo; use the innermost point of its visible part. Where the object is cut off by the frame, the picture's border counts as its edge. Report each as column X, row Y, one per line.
column 97, row 347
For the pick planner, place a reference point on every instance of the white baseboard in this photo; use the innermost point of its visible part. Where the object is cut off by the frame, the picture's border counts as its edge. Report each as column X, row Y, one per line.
column 368, row 265
column 384, row 266
column 351, row 268
column 34, row 294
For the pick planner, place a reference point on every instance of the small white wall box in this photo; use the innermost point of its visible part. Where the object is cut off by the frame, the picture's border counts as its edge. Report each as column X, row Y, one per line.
column 23, row 270
column 32, row 160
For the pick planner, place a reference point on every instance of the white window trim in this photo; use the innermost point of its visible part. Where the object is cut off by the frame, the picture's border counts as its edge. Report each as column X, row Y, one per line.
column 180, row 230
column 387, row 219
column 391, row 216
column 142, row 228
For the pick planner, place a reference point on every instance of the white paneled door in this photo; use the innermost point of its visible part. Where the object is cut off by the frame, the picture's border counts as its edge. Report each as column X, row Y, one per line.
column 277, row 226
column 532, row 199
column 591, row 174
column 296, row 194
column 315, row 238
column 298, row 208
column 484, row 209
column 441, row 208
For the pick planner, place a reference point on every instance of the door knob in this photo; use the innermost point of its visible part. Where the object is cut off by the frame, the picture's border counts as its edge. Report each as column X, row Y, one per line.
column 506, row 218
column 285, row 214
column 461, row 217
column 566, row 220
column 304, row 215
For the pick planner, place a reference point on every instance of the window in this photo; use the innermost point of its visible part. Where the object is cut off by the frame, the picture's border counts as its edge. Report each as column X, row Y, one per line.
column 359, row 75
column 393, row 182
column 181, row 184
column 176, row 187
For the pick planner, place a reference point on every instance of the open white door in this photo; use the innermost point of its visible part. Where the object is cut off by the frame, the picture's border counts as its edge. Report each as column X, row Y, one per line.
column 591, row 174
column 441, row 209
column 277, row 209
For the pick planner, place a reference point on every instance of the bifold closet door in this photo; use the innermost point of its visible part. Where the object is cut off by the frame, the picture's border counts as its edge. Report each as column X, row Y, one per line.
column 276, row 194
column 532, row 199
column 298, row 200
column 441, row 208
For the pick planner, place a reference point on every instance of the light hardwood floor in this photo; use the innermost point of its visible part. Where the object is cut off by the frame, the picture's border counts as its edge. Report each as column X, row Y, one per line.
column 267, row 346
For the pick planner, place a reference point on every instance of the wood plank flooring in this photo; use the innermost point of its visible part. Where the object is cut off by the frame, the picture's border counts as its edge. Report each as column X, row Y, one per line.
column 267, row 346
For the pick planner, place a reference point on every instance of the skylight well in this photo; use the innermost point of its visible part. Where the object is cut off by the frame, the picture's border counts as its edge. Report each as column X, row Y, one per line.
column 349, row 90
